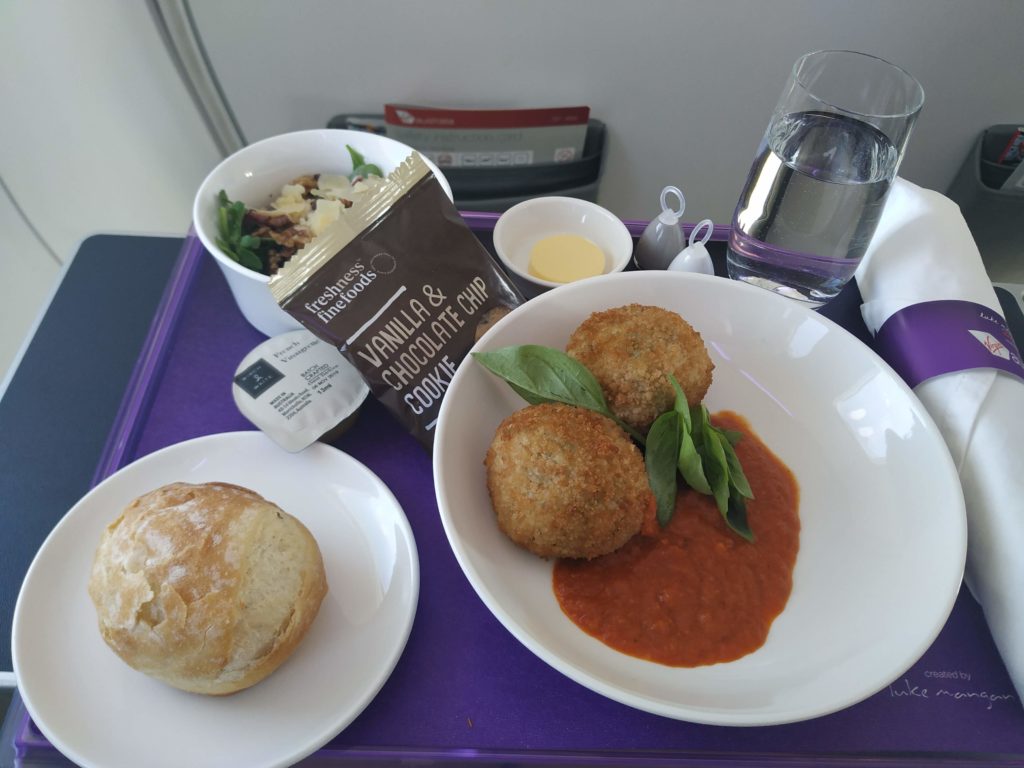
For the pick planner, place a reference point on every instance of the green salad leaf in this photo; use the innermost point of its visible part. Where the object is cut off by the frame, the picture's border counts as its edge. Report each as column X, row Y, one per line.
column 241, row 247
column 359, row 165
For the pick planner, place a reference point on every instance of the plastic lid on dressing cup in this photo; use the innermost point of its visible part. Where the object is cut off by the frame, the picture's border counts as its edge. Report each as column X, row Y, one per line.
column 298, row 389
column 695, row 257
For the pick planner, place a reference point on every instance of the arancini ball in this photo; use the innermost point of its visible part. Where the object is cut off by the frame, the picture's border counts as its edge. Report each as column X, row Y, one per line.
column 631, row 350
column 566, row 482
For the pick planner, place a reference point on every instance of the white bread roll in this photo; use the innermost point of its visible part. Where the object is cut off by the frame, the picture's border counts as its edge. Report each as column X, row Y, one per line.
column 208, row 588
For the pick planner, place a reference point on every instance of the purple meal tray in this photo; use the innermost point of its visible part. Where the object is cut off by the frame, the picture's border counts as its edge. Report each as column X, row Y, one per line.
column 465, row 691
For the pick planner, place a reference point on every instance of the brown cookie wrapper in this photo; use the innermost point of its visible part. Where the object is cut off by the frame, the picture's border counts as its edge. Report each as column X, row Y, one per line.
column 399, row 284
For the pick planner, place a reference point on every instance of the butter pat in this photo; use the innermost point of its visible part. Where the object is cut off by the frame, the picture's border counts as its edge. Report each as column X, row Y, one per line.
column 565, row 258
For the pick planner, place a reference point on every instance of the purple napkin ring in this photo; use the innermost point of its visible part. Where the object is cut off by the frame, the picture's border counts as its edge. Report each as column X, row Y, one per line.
column 936, row 337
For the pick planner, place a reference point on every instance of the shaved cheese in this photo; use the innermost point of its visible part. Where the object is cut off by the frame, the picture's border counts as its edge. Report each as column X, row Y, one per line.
column 294, row 191
column 332, row 195
column 294, row 209
column 328, row 182
column 326, row 213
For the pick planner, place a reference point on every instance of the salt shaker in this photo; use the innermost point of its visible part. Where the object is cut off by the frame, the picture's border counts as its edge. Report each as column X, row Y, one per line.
column 663, row 238
column 695, row 257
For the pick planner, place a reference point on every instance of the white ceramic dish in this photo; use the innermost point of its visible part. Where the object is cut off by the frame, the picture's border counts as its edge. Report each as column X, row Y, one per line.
column 100, row 712
column 255, row 173
column 524, row 224
column 883, row 528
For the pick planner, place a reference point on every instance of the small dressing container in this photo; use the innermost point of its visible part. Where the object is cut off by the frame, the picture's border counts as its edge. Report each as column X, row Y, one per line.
column 663, row 238
column 695, row 257
column 298, row 389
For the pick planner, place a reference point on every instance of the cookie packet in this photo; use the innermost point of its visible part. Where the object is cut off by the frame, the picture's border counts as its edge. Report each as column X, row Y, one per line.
column 403, row 289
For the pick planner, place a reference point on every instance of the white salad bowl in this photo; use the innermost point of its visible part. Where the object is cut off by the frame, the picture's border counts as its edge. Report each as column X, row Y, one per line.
column 255, row 175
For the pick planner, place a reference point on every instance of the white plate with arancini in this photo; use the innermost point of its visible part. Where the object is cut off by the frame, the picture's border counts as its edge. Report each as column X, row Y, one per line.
column 882, row 523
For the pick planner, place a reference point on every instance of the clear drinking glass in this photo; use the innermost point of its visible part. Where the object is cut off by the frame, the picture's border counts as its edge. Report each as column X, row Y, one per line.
column 819, row 182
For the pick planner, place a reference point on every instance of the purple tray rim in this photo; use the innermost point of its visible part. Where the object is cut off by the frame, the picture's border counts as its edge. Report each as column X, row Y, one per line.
column 480, row 221
column 135, row 402
column 138, row 396
column 139, row 391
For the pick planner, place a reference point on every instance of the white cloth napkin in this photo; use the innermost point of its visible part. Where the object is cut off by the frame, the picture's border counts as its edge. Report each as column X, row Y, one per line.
column 923, row 251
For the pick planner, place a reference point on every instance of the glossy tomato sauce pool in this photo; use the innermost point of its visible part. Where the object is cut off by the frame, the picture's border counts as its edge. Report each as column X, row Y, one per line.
column 695, row 593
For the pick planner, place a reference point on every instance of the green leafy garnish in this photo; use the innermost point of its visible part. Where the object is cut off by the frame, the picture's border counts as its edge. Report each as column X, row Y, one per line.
column 241, row 247
column 736, row 518
column 691, row 467
column 737, row 480
column 544, row 375
column 731, row 435
column 359, row 165
column 707, row 462
column 717, row 469
column 683, row 439
column 661, row 458
column 689, row 462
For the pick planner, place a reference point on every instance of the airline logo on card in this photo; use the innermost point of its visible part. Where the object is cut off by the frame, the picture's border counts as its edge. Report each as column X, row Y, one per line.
column 992, row 344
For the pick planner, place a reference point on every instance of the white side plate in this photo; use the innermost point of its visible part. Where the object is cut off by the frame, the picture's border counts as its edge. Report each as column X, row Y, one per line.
column 100, row 712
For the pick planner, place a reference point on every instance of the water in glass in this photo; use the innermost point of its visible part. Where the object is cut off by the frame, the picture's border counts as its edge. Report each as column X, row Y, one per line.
column 810, row 206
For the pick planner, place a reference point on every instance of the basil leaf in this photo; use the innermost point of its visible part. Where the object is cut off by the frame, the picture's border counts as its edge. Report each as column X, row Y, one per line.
column 529, row 397
column 716, row 468
column 701, row 422
column 690, row 465
column 731, row 435
column 737, row 479
column 660, row 459
column 544, row 375
column 709, row 464
column 689, row 462
column 736, row 518
column 681, row 406
column 547, row 374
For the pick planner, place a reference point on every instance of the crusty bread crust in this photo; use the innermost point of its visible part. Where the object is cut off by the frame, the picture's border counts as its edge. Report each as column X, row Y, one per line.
column 207, row 587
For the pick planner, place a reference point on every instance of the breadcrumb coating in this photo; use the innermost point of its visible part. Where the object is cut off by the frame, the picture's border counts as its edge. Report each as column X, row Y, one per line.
column 632, row 349
column 567, row 482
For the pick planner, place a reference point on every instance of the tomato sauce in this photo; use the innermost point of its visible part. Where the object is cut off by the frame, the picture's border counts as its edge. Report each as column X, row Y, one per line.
column 695, row 593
